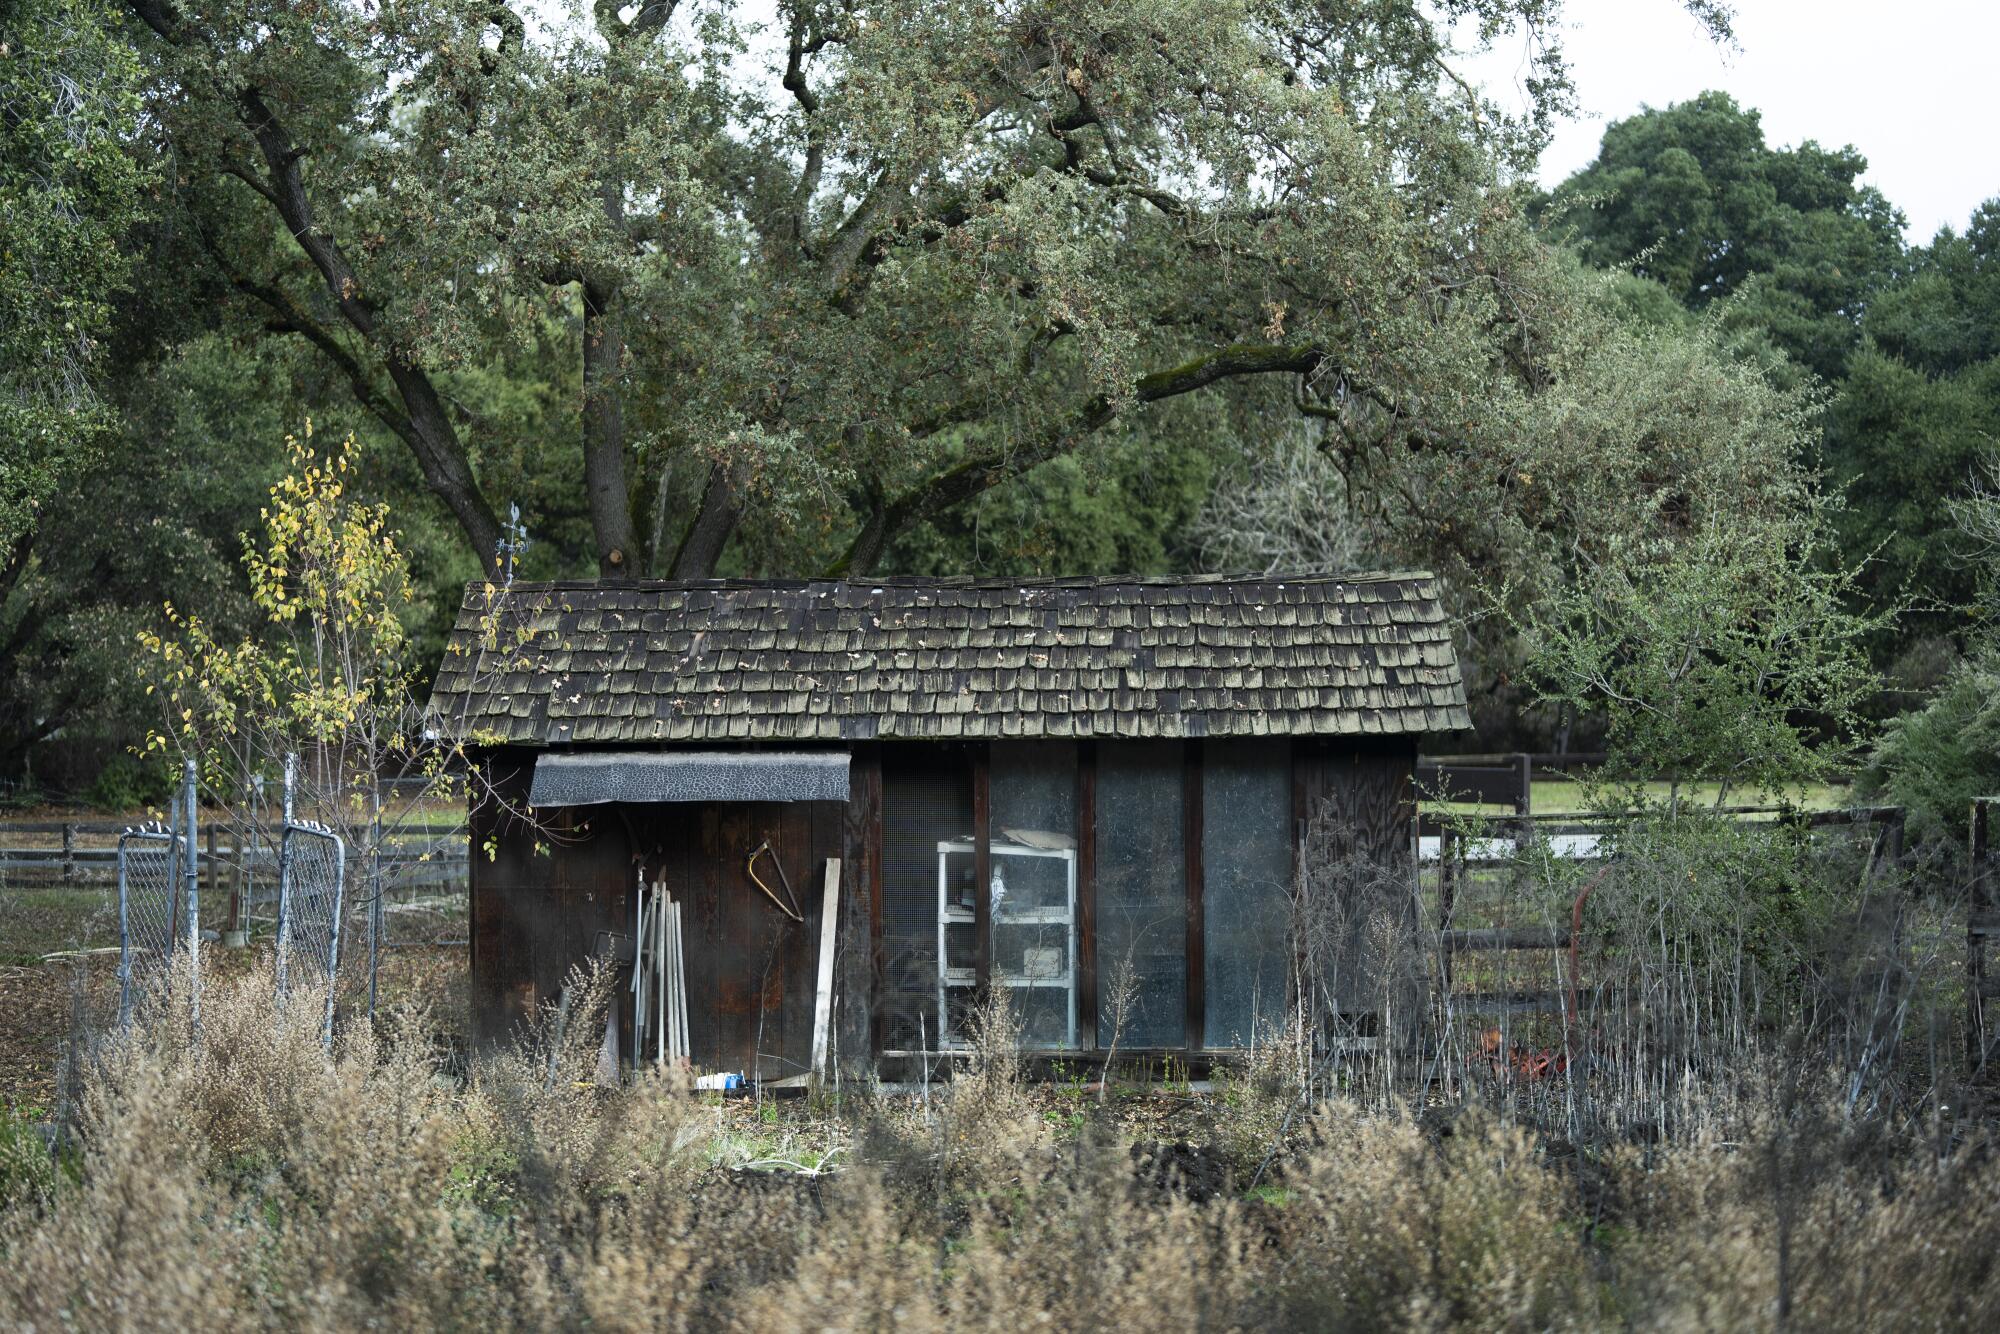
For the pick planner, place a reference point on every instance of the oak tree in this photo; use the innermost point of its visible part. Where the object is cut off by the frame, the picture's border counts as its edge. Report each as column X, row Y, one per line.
column 848, row 270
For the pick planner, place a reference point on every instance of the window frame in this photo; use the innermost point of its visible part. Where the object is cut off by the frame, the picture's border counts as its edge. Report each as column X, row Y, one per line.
column 1193, row 754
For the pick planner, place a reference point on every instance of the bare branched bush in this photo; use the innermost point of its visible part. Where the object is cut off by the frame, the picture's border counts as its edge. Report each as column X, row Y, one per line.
column 980, row 1127
column 241, row 1174
column 1367, row 955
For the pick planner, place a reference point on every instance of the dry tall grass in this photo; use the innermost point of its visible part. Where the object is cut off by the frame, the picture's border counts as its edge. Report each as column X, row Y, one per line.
column 248, row 1178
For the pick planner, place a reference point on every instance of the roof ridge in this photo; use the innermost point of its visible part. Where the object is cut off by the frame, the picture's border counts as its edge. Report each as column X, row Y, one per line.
column 981, row 581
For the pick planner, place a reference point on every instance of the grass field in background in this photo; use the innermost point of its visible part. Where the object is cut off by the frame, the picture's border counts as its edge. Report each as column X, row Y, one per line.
column 1563, row 795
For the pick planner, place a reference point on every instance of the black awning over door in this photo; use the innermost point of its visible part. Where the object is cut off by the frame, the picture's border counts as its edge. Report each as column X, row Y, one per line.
column 592, row 778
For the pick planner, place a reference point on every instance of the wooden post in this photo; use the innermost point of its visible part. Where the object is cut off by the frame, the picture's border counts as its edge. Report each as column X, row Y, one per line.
column 1447, row 901
column 69, row 854
column 829, row 912
column 1979, row 924
column 982, row 875
column 1196, row 948
column 1086, row 895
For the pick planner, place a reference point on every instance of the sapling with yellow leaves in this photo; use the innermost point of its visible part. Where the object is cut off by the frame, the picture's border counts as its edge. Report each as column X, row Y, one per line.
column 327, row 674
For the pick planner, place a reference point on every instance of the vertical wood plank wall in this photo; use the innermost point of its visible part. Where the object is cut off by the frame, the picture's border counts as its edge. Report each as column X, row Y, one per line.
column 1086, row 893
column 859, row 969
column 1365, row 791
column 1197, row 952
column 534, row 914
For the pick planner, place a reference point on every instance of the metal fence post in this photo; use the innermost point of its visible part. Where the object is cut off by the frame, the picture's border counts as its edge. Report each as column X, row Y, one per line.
column 284, row 867
column 192, row 870
column 124, row 943
column 375, row 908
column 333, row 945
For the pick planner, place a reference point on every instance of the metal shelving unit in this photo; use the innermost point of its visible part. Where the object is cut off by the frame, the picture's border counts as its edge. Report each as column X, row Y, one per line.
column 958, row 944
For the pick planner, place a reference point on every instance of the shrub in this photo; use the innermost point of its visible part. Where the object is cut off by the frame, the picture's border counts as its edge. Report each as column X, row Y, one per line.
column 252, row 1178
column 124, row 784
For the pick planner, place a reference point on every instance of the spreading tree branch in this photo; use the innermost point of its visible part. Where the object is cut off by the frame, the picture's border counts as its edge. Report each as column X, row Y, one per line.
column 431, row 437
column 974, row 476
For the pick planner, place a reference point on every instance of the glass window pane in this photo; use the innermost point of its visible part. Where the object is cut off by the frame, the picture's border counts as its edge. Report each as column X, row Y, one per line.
column 1141, row 896
column 1246, row 867
column 926, row 800
column 1032, row 805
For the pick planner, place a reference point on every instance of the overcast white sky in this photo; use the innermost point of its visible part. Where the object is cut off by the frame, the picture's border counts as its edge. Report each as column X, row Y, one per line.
column 1910, row 83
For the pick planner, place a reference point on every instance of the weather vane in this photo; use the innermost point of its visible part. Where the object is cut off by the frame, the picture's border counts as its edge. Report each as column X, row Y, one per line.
column 511, row 546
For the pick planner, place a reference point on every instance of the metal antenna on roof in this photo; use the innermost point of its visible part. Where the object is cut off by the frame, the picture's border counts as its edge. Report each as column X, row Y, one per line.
column 511, row 546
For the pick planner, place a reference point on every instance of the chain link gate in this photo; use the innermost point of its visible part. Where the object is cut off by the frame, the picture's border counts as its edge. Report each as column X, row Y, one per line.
column 148, row 903
column 312, row 877
column 159, row 896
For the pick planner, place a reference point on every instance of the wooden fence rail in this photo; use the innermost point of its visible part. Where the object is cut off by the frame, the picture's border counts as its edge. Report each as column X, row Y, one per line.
column 1466, row 842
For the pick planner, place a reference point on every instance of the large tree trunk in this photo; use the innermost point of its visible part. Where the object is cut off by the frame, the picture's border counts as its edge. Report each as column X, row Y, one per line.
column 721, row 507
column 866, row 549
column 447, row 471
column 604, row 435
column 423, row 424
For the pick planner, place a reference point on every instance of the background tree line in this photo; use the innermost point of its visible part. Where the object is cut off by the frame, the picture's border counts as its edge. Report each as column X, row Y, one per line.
column 1026, row 289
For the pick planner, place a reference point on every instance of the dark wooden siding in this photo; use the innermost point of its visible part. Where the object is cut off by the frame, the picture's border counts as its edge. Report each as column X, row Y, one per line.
column 751, row 971
column 1359, row 801
column 539, row 896
column 860, row 945
column 750, row 968
column 1363, row 792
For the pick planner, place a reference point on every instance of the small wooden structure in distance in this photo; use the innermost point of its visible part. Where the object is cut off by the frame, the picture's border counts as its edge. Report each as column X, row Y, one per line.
column 1050, row 785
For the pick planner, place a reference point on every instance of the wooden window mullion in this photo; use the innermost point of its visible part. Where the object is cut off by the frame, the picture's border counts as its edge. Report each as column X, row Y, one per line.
column 1191, row 816
column 1086, row 895
column 982, row 867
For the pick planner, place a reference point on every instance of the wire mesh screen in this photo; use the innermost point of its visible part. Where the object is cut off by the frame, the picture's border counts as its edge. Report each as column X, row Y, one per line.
column 313, row 862
column 148, row 902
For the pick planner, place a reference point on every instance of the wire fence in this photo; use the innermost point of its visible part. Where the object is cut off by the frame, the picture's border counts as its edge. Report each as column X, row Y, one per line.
column 149, row 884
column 1615, row 969
column 312, row 886
column 368, row 903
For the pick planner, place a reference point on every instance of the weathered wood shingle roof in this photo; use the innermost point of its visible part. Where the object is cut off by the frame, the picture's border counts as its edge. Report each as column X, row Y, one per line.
column 727, row 660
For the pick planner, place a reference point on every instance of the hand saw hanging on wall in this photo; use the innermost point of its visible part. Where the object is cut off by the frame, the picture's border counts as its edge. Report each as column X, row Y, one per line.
column 789, row 905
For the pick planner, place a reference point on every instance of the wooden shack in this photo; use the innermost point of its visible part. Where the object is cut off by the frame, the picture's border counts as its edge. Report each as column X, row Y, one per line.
column 1080, row 789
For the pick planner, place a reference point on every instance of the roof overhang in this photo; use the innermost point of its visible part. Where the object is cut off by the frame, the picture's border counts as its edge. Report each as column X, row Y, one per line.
column 592, row 778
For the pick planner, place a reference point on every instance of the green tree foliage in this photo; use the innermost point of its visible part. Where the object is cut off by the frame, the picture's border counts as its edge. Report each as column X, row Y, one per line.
column 1935, row 759
column 70, row 189
column 1914, row 418
column 154, row 515
column 1734, row 660
column 799, row 292
column 1692, row 196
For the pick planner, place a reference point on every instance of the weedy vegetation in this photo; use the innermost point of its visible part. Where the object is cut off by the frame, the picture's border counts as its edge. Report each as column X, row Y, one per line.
column 241, row 1175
